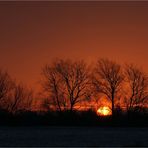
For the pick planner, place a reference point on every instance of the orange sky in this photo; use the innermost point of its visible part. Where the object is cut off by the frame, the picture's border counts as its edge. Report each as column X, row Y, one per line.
column 34, row 33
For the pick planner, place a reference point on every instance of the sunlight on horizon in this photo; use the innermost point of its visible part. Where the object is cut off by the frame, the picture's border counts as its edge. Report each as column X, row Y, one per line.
column 104, row 111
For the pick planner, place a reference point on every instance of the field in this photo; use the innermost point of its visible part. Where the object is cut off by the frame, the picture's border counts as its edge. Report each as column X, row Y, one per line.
column 73, row 136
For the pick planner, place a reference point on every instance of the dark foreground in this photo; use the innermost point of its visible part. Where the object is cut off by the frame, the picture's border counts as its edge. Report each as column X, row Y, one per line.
column 73, row 136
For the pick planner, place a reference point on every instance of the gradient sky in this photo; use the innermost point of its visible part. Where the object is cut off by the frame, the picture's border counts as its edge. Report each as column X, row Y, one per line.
column 34, row 33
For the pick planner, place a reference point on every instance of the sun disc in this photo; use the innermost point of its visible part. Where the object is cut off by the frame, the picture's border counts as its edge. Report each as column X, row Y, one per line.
column 104, row 111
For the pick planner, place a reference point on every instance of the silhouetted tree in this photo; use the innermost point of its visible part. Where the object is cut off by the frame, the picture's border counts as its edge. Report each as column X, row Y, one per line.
column 108, row 79
column 68, row 82
column 13, row 96
column 6, row 85
column 53, row 84
column 137, row 86
column 20, row 98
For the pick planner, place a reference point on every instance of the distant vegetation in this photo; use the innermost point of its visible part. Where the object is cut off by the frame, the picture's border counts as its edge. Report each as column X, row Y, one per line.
column 75, row 118
column 72, row 92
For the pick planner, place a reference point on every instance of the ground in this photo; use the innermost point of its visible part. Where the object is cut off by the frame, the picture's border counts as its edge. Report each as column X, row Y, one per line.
column 73, row 136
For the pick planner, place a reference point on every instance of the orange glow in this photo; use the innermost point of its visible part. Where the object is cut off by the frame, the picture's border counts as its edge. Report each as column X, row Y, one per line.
column 104, row 111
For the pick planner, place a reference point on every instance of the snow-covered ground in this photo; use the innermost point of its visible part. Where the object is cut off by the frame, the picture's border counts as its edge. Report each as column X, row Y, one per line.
column 73, row 136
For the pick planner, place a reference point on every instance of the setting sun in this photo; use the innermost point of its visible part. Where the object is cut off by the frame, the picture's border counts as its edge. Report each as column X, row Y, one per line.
column 104, row 111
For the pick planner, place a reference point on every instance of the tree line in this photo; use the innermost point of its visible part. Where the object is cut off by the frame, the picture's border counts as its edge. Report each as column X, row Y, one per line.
column 69, row 83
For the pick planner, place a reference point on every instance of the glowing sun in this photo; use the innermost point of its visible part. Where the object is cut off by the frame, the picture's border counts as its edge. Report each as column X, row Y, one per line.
column 104, row 111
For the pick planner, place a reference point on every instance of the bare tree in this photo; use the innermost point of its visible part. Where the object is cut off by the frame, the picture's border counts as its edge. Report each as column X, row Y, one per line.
column 137, row 86
column 68, row 79
column 76, row 79
column 53, row 84
column 20, row 98
column 108, row 79
column 5, row 84
column 13, row 96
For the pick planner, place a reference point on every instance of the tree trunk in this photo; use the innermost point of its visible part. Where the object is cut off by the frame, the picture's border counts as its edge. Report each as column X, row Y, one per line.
column 113, row 108
column 71, row 106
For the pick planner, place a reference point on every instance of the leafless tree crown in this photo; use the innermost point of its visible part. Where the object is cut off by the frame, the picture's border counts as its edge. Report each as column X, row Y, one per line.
column 108, row 78
column 137, row 82
column 67, row 80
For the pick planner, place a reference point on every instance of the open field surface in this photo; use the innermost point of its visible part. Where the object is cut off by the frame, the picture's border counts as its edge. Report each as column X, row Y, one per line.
column 73, row 136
